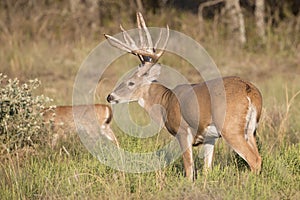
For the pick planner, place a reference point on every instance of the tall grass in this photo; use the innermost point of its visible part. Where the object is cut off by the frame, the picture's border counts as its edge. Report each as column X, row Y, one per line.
column 54, row 175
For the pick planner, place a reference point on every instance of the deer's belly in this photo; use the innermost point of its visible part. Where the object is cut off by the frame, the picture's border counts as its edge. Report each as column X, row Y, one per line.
column 208, row 134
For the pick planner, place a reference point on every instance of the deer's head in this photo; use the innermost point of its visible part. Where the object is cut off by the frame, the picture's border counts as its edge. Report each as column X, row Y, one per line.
column 132, row 88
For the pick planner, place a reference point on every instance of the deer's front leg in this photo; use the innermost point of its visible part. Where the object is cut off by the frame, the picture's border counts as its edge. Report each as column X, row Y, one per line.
column 185, row 139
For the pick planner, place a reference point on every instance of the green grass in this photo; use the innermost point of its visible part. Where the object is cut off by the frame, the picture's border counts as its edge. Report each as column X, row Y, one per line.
column 80, row 175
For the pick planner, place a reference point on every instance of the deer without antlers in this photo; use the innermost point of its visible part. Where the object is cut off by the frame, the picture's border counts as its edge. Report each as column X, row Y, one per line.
column 63, row 122
column 191, row 112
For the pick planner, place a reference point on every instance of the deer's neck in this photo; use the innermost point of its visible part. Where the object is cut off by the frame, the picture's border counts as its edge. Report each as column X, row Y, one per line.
column 163, row 107
column 156, row 94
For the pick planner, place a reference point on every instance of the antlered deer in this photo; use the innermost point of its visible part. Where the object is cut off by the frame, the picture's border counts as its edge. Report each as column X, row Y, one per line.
column 63, row 121
column 179, row 108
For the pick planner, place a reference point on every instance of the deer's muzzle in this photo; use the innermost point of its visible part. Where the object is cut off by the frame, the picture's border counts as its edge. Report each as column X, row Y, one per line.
column 111, row 99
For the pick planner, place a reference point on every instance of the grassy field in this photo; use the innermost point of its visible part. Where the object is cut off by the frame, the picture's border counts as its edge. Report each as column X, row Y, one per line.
column 69, row 171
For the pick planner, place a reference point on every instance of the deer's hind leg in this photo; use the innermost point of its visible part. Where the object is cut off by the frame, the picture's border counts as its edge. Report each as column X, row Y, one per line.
column 250, row 128
column 242, row 144
column 211, row 136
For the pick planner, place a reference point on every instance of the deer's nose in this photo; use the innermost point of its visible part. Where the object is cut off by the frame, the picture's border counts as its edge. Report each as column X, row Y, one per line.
column 110, row 98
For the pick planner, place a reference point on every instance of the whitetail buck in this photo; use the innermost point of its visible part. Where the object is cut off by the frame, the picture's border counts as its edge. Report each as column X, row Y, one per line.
column 63, row 122
column 242, row 104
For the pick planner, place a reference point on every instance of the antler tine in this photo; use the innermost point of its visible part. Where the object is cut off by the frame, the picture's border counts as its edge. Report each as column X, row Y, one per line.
column 118, row 44
column 125, row 37
column 148, row 36
column 152, row 54
column 165, row 44
column 128, row 39
column 143, row 51
column 140, row 30
column 157, row 42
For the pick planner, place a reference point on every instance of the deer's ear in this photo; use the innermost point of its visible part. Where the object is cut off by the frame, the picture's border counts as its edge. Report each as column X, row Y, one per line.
column 153, row 73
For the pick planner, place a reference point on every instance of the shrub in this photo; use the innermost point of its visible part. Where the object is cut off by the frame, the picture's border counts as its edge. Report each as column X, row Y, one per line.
column 21, row 121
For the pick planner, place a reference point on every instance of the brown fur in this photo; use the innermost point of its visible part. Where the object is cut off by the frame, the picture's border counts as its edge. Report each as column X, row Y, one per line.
column 63, row 121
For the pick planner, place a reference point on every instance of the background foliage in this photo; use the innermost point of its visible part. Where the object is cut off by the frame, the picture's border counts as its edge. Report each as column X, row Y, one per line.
column 21, row 122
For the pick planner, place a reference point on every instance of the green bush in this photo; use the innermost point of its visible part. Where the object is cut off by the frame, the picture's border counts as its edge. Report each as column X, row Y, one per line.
column 21, row 120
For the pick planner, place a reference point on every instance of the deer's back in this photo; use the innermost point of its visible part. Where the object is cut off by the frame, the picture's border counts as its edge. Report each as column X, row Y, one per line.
column 64, row 119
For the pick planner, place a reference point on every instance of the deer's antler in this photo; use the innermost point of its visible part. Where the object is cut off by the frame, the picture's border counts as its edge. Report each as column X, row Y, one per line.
column 146, row 51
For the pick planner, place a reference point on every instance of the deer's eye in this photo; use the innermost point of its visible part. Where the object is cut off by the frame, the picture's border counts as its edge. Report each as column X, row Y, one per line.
column 130, row 83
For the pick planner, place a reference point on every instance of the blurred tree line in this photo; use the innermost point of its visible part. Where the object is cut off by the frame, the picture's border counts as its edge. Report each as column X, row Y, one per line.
column 98, row 13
